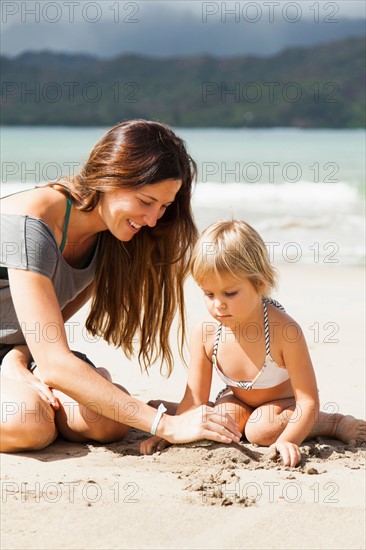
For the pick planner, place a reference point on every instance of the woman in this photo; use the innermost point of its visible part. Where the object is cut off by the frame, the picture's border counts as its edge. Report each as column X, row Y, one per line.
column 120, row 233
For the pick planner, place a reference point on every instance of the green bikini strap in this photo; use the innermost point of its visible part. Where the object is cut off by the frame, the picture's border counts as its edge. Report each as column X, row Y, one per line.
column 67, row 219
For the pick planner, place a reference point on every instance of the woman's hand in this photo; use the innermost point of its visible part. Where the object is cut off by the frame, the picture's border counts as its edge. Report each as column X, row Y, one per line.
column 290, row 453
column 15, row 366
column 201, row 423
column 153, row 444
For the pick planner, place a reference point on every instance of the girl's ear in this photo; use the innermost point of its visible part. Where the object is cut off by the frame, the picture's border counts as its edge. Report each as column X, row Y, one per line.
column 261, row 288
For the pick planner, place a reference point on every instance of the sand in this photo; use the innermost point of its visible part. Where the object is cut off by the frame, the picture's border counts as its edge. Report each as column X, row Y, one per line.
column 204, row 495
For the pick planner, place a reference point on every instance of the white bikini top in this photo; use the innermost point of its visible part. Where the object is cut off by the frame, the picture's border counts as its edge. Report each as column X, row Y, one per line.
column 270, row 375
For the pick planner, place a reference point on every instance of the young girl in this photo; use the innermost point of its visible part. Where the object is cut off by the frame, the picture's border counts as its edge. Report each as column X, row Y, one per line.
column 255, row 347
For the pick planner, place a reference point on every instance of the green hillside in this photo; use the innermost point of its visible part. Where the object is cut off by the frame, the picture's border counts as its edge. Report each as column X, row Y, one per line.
column 323, row 86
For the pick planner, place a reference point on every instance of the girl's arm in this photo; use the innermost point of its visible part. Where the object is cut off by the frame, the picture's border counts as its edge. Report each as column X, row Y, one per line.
column 200, row 373
column 36, row 304
column 298, row 363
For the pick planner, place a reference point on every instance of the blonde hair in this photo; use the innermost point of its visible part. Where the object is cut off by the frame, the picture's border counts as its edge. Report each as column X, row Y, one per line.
column 235, row 248
column 138, row 286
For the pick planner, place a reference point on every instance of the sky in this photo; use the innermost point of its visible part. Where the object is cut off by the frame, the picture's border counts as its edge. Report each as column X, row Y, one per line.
column 165, row 28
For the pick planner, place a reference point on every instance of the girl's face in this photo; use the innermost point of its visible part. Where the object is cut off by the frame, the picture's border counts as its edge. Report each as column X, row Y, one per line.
column 125, row 211
column 230, row 300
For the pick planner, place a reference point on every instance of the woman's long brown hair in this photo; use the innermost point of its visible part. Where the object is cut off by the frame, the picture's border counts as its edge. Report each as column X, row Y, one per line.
column 139, row 284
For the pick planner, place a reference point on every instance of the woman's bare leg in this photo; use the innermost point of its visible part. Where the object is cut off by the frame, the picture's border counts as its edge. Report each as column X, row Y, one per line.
column 27, row 422
column 79, row 423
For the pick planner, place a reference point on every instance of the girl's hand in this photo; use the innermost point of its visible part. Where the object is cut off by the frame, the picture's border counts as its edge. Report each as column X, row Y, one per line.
column 201, row 423
column 153, row 444
column 289, row 452
column 15, row 366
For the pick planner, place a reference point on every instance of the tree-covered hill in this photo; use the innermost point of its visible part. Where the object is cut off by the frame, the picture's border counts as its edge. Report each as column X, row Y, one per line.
column 322, row 86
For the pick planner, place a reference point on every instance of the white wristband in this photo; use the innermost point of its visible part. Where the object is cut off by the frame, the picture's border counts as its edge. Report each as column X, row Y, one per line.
column 159, row 414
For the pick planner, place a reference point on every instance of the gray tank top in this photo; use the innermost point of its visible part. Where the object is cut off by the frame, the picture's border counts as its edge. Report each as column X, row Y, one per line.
column 28, row 243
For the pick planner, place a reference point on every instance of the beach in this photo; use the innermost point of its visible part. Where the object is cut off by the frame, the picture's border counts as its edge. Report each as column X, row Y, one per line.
column 264, row 99
column 204, row 495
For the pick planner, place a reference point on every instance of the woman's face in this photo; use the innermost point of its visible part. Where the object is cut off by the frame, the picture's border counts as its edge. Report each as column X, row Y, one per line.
column 125, row 211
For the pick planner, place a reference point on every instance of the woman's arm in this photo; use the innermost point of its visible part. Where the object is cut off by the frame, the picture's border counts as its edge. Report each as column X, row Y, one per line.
column 36, row 305
column 15, row 363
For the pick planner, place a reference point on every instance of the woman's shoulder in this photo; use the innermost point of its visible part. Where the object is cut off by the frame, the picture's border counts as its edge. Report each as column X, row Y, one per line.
column 40, row 202
column 27, row 243
column 43, row 204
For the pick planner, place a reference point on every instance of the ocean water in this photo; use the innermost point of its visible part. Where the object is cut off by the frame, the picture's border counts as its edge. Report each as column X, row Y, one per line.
column 303, row 190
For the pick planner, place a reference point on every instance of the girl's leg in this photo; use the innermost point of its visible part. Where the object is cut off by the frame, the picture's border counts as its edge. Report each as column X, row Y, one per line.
column 27, row 422
column 346, row 428
column 268, row 421
column 237, row 410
